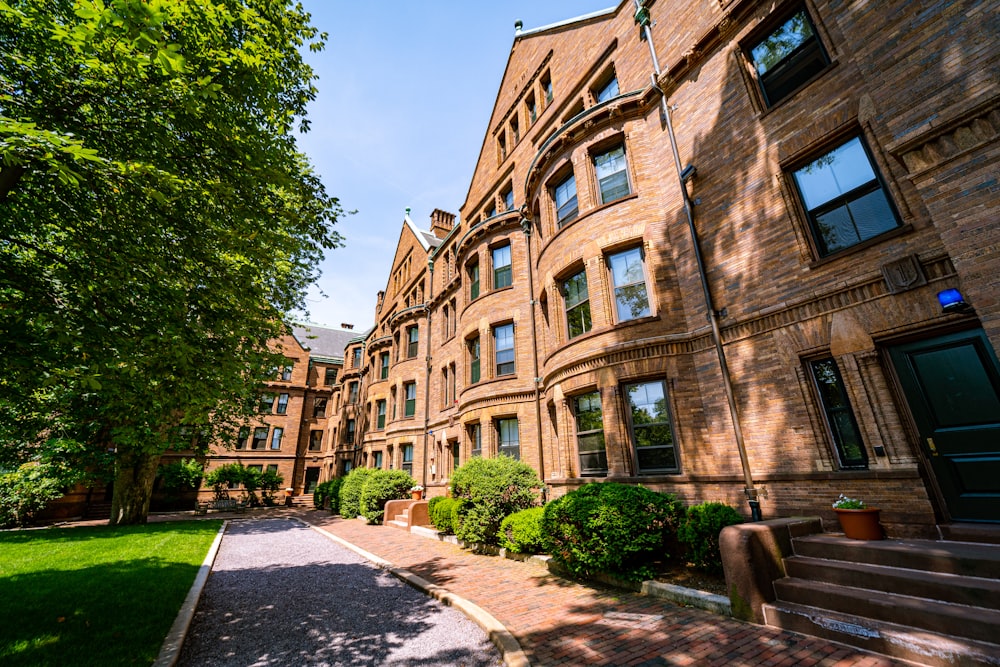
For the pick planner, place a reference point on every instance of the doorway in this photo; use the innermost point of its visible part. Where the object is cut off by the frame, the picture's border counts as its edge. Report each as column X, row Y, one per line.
column 312, row 479
column 952, row 386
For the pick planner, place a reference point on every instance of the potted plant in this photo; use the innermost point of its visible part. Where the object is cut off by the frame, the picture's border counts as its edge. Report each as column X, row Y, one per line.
column 858, row 520
column 417, row 492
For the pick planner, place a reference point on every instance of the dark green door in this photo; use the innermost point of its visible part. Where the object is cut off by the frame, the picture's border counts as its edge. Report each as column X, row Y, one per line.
column 312, row 479
column 952, row 385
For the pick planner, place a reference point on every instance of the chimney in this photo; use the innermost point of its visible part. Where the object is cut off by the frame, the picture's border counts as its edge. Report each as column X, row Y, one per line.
column 441, row 222
column 345, row 325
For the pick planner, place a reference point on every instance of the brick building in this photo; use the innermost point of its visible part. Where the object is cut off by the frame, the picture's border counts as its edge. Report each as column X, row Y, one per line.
column 712, row 247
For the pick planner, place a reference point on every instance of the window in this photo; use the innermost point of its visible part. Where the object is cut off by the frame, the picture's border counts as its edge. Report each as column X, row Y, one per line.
column 242, row 437
column 629, row 279
column 503, row 346
column 788, row 57
column 565, row 196
column 286, row 372
column 839, row 416
column 412, row 340
column 502, row 275
column 331, row 377
column 473, row 271
column 392, row 396
column 272, row 467
column 531, row 107
column 577, row 300
column 473, row 346
column 607, row 89
column 259, row 438
column 491, row 211
column 410, row 393
column 612, row 176
column 356, row 358
column 380, row 412
column 266, row 404
column 383, row 360
column 651, row 433
column 508, row 199
column 377, row 460
column 353, row 393
column 547, row 87
column 408, row 459
column 475, row 439
column 445, row 322
column 276, row 437
column 315, row 440
column 515, row 130
column 319, row 407
column 844, row 198
column 456, row 455
column 501, row 147
column 590, row 434
column 349, row 433
column 453, row 397
column 507, row 438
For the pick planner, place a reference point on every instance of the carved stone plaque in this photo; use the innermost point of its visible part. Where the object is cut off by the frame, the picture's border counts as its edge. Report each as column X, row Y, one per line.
column 903, row 274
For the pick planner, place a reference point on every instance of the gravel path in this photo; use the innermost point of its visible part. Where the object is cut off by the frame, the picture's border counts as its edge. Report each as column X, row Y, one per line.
column 282, row 594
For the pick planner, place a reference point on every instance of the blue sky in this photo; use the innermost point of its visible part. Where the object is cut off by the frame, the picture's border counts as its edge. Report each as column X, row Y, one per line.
column 405, row 94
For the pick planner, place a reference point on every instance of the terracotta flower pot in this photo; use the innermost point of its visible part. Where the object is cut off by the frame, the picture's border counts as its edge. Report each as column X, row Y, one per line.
column 860, row 524
column 417, row 495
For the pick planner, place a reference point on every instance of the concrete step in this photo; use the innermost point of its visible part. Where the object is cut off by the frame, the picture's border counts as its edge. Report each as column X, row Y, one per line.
column 920, row 646
column 957, row 589
column 974, row 623
column 961, row 558
column 398, row 524
column 986, row 533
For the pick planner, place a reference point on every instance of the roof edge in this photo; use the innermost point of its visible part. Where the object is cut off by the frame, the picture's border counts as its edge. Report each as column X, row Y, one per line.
column 559, row 24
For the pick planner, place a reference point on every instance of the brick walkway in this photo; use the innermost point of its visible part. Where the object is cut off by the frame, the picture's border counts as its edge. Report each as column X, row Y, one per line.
column 559, row 622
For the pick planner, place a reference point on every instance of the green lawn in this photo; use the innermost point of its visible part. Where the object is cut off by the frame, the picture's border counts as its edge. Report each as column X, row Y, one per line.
column 95, row 596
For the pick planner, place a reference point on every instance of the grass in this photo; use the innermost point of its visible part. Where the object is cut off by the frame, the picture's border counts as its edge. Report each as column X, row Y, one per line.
column 95, row 596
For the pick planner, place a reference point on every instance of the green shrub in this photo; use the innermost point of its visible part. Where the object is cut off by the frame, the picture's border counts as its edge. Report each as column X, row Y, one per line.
column 182, row 475
column 439, row 510
column 27, row 490
column 270, row 483
column 350, row 492
column 521, row 532
column 614, row 528
column 493, row 489
column 328, row 492
column 380, row 487
column 220, row 479
column 700, row 532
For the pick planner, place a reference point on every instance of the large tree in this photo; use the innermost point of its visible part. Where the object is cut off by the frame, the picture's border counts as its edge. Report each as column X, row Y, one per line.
column 157, row 222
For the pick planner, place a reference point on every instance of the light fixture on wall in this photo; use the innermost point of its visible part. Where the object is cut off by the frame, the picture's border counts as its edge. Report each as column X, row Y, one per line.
column 688, row 173
column 952, row 301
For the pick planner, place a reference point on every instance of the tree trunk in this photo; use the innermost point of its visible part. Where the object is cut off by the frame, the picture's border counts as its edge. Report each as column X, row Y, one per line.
column 134, row 475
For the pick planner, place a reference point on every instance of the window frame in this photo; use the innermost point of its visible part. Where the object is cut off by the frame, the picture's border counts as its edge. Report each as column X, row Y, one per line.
column 474, row 431
column 581, row 434
column 277, row 433
column 585, row 302
column 474, row 349
column 615, row 287
column 282, row 406
column 330, row 377
column 503, row 274
column 260, row 434
column 412, row 341
column 350, row 429
column 472, row 271
column 603, row 150
column 630, row 410
column 834, row 426
column 380, row 414
column 315, row 443
column 353, row 389
column 601, row 90
column 563, row 219
column 508, row 449
column 874, row 185
column 410, row 404
column 806, row 53
column 319, row 407
column 384, row 359
column 265, row 405
column 500, row 367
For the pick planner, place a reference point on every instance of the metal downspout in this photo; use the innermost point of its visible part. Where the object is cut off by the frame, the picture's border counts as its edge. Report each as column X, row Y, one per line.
column 427, row 365
column 535, row 380
column 642, row 18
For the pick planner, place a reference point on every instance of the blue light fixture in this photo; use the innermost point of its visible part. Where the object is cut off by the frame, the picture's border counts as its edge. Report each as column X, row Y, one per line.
column 951, row 301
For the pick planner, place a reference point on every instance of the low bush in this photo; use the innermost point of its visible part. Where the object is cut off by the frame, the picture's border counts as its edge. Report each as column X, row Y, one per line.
column 614, row 528
column 493, row 489
column 439, row 510
column 380, row 487
column 700, row 533
column 350, row 492
column 270, row 484
column 328, row 492
column 26, row 491
column 224, row 477
column 521, row 532
column 183, row 475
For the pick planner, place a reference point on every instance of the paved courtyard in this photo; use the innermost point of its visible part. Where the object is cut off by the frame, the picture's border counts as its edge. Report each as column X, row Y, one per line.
column 560, row 622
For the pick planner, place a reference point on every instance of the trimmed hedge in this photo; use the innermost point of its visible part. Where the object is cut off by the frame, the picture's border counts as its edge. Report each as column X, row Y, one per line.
column 350, row 492
column 614, row 528
column 700, row 532
column 493, row 488
column 380, row 487
column 328, row 491
column 442, row 513
column 521, row 532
